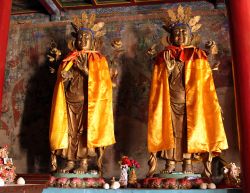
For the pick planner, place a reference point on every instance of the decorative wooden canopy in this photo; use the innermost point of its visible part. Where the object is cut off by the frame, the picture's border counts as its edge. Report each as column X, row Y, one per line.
column 27, row 6
column 79, row 4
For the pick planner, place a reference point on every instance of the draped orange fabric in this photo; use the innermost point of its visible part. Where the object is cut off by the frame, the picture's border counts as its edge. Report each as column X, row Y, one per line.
column 100, row 131
column 205, row 130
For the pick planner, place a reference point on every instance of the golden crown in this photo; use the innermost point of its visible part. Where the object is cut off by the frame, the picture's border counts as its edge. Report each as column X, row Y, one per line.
column 181, row 16
column 85, row 22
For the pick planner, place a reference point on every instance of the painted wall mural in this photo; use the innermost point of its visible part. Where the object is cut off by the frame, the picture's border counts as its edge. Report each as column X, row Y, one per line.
column 29, row 85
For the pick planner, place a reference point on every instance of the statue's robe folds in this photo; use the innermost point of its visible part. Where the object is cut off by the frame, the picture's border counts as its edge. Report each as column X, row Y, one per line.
column 205, row 130
column 100, row 124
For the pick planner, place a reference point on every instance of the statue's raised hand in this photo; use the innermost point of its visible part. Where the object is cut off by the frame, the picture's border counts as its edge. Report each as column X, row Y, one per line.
column 212, row 47
column 82, row 63
column 170, row 64
column 66, row 75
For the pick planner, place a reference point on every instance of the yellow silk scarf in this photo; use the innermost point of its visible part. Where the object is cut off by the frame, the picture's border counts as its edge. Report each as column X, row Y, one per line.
column 100, row 131
column 205, row 131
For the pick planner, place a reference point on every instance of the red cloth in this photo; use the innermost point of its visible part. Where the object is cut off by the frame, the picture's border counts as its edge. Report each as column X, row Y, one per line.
column 5, row 9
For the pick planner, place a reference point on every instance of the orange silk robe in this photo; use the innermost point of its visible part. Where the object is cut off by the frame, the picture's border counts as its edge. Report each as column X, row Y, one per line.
column 100, row 130
column 205, row 130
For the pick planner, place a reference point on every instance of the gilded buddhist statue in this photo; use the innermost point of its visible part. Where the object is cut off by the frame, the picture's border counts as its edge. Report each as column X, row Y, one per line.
column 184, row 114
column 81, row 123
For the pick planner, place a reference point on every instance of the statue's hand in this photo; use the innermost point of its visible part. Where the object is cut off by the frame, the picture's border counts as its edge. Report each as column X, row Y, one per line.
column 66, row 75
column 52, row 70
column 86, row 69
column 82, row 63
column 212, row 47
column 169, row 63
column 152, row 50
column 113, row 75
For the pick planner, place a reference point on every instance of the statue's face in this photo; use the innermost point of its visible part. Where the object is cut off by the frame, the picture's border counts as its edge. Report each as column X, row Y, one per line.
column 84, row 40
column 181, row 35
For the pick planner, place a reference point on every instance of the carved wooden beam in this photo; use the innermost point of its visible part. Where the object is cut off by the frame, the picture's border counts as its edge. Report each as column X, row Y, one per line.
column 94, row 2
column 52, row 9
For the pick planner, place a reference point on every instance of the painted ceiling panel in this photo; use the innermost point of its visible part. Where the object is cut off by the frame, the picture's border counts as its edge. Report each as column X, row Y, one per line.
column 79, row 4
column 112, row 1
column 74, row 2
column 89, row 2
column 26, row 6
column 29, row 6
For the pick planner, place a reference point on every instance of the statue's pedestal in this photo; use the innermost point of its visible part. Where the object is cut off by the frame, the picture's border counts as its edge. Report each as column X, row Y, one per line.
column 71, row 180
column 68, row 190
column 178, row 175
column 177, row 180
column 72, row 175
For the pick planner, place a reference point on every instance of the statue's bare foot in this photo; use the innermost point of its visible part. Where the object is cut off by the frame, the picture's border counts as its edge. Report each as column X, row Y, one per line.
column 83, row 168
column 170, row 167
column 53, row 163
column 80, row 170
column 53, row 168
column 187, row 167
column 69, row 167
